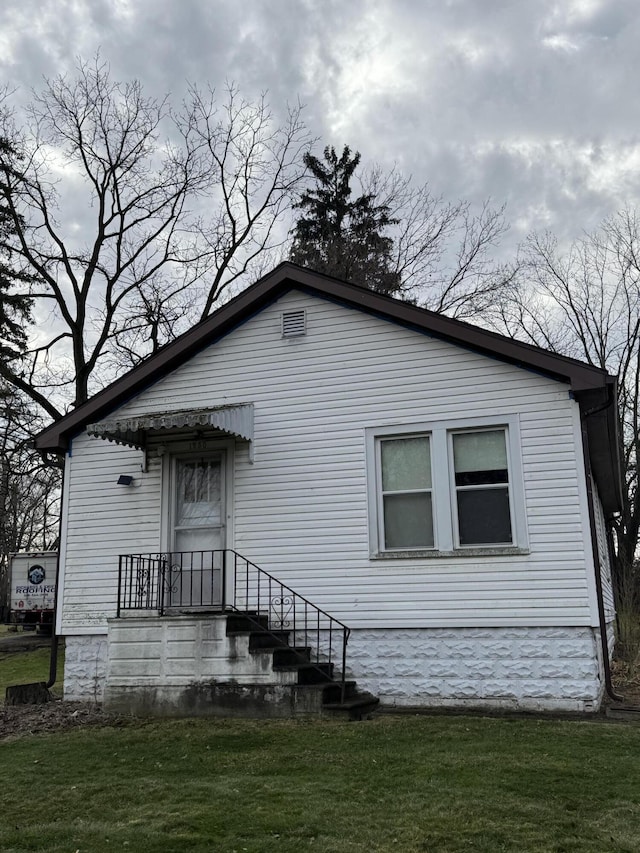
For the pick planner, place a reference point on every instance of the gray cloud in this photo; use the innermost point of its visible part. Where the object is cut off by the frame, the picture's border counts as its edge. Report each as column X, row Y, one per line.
column 532, row 103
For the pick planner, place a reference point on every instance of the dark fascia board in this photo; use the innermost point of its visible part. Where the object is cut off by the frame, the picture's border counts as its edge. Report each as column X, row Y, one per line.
column 286, row 277
column 600, row 415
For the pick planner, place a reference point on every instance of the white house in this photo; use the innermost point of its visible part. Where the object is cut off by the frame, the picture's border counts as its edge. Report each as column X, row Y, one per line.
column 441, row 492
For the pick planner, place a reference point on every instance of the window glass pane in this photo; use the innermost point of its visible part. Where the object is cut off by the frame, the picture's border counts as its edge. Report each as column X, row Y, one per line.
column 198, row 498
column 197, row 539
column 187, row 477
column 480, row 458
column 482, row 478
column 406, row 464
column 204, row 482
column 408, row 521
column 483, row 516
column 479, row 451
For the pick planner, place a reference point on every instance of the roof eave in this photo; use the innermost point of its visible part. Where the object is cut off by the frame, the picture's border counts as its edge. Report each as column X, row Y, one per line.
column 287, row 276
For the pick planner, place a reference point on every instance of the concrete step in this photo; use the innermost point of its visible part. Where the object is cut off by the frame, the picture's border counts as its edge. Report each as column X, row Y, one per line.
column 267, row 639
column 308, row 673
column 332, row 692
column 359, row 706
column 283, row 655
column 246, row 622
column 334, row 700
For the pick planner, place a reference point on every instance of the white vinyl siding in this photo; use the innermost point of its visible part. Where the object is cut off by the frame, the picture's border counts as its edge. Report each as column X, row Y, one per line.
column 603, row 554
column 301, row 510
column 104, row 520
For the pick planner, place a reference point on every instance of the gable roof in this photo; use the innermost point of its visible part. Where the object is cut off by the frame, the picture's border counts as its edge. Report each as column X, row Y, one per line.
column 593, row 387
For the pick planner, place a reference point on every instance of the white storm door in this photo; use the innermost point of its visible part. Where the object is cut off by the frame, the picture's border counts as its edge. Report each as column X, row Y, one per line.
column 198, row 515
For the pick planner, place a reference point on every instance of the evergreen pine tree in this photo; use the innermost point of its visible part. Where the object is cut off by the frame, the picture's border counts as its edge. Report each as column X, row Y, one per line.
column 340, row 236
column 15, row 306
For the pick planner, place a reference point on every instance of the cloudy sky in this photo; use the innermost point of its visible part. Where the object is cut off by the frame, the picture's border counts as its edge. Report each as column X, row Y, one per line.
column 529, row 102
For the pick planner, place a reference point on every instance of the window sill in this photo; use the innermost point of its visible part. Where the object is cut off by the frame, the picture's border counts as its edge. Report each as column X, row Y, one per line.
column 458, row 553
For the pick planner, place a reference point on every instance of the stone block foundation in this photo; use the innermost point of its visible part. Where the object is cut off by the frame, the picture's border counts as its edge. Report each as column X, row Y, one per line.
column 85, row 668
column 528, row 669
column 532, row 669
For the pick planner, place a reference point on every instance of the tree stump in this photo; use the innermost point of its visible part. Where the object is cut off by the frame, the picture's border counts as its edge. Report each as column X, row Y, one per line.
column 28, row 694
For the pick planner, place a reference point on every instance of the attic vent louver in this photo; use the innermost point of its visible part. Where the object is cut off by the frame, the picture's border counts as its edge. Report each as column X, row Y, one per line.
column 294, row 323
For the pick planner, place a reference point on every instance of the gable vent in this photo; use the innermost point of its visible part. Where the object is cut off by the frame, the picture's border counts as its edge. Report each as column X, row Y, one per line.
column 294, row 323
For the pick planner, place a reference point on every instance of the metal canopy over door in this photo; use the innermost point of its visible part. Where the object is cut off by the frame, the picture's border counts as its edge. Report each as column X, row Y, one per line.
column 198, row 530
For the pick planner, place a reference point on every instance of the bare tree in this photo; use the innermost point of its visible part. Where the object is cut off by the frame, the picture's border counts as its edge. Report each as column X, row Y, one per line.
column 100, row 188
column 251, row 168
column 443, row 252
column 104, row 212
column 98, row 141
column 585, row 302
column 256, row 167
column 29, row 490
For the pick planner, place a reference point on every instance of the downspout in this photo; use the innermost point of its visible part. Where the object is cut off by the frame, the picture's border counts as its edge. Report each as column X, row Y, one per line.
column 53, row 655
column 612, row 561
column 595, row 551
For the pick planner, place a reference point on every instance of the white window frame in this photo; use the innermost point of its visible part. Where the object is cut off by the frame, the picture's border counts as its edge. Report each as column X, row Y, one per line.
column 443, row 489
column 380, row 493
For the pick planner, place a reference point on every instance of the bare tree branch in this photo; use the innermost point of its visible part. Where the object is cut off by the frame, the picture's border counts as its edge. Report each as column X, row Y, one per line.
column 443, row 251
column 141, row 265
column 255, row 168
column 585, row 302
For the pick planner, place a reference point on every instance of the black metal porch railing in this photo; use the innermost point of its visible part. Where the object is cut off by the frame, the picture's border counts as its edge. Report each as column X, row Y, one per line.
column 225, row 580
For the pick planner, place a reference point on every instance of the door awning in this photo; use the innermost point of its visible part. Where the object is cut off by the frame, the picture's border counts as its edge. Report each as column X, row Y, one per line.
column 232, row 420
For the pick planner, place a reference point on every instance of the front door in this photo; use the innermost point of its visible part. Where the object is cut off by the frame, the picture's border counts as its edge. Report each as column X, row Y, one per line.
column 198, row 515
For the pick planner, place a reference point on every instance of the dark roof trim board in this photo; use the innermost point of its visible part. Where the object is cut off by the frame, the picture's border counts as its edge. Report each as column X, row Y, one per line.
column 581, row 377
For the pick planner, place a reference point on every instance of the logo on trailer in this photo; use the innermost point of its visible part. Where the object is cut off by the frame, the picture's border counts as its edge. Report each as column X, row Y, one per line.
column 36, row 574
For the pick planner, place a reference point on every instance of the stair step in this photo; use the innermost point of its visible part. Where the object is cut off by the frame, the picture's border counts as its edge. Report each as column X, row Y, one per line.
column 266, row 639
column 284, row 655
column 332, row 692
column 355, row 707
column 308, row 673
column 337, row 699
column 246, row 622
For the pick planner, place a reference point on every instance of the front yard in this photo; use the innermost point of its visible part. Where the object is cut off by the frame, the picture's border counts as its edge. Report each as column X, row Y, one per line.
column 25, row 668
column 442, row 784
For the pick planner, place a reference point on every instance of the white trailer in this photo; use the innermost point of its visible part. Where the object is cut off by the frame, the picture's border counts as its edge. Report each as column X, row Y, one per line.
column 33, row 587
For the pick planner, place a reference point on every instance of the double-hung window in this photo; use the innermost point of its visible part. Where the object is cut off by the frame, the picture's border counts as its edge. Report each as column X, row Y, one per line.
column 481, row 481
column 406, row 505
column 445, row 487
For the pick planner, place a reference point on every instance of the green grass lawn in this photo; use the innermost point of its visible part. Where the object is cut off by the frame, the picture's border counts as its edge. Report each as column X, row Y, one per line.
column 440, row 783
column 27, row 667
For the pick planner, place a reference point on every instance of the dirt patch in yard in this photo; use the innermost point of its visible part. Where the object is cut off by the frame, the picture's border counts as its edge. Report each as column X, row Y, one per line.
column 55, row 716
